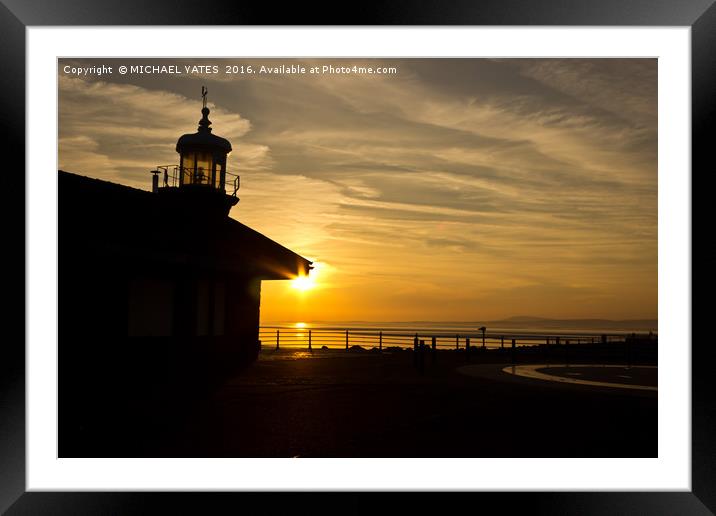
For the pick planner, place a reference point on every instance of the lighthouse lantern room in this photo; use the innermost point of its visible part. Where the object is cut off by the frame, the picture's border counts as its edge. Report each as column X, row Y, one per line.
column 202, row 160
column 203, row 155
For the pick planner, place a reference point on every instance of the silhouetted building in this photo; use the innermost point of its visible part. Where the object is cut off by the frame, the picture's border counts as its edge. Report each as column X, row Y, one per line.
column 159, row 287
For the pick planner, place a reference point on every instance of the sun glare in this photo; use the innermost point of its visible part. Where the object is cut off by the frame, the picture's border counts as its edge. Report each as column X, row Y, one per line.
column 303, row 283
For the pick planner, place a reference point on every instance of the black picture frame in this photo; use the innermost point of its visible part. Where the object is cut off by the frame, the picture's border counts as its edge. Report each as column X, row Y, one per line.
column 700, row 15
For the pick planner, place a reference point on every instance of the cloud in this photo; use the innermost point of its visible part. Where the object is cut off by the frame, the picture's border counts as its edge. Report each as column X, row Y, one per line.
column 134, row 126
column 527, row 179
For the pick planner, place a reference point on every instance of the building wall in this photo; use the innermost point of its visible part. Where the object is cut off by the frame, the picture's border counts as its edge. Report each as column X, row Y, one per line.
column 152, row 305
column 126, row 337
column 199, row 310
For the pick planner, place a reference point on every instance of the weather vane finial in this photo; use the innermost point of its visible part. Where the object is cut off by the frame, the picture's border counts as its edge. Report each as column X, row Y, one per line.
column 204, row 91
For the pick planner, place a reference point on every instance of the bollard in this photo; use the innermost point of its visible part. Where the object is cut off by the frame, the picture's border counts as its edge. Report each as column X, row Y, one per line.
column 277, row 339
column 421, row 366
column 380, row 341
column 415, row 350
column 309, row 341
column 513, row 351
column 434, row 347
column 346, row 339
column 467, row 348
column 566, row 353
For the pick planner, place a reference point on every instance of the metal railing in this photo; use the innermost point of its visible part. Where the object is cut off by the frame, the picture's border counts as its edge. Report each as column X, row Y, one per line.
column 506, row 347
column 170, row 177
column 346, row 338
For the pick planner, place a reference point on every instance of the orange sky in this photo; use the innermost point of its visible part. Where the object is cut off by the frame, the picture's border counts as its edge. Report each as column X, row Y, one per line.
column 454, row 190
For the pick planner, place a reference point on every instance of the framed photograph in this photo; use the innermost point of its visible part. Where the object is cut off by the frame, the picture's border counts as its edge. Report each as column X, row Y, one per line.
column 390, row 256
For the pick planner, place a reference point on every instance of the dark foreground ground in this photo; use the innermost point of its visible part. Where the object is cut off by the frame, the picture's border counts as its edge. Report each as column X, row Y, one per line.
column 368, row 404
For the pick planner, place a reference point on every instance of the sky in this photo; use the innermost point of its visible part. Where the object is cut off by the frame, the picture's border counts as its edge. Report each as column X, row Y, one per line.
column 450, row 190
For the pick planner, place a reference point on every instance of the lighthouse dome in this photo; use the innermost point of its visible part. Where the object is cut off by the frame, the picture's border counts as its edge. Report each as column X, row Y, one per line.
column 204, row 138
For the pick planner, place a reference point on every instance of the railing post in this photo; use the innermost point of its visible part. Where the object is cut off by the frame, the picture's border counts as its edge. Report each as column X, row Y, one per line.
column 380, row 340
column 457, row 341
column 513, row 351
column 346, row 339
column 309, row 341
column 467, row 349
column 483, row 339
column 434, row 348
column 502, row 342
column 277, row 338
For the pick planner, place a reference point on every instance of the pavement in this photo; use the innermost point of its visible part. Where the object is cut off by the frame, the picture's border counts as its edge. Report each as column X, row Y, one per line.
column 368, row 404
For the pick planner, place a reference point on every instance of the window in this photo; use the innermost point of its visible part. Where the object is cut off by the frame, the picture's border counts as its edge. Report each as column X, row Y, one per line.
column 151, row 308
column 210, row 310
column 203, row 168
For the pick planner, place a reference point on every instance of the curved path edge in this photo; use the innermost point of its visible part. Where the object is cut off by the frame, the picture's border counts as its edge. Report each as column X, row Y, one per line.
column 531, row 371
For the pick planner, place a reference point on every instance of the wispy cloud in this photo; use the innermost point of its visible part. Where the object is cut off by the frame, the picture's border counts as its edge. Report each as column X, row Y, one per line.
column 456, row 189
column 128, row 129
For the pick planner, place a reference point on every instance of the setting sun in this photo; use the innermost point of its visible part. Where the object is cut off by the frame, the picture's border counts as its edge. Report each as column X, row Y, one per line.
column 303, row 283
column 308, row 282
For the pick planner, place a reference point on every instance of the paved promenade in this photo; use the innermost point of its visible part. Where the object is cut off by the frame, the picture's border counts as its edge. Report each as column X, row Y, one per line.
column 366, row 404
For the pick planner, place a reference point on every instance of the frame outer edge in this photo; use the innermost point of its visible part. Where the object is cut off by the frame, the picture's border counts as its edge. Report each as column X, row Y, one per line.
column 12, row 451
column 12, row 348
column 703, row 113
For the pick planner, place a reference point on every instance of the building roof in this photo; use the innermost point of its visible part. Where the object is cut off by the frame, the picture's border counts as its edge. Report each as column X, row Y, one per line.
column 104, row 219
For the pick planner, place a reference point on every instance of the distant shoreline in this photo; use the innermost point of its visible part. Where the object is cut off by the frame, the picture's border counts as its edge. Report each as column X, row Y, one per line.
column 512, row 325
